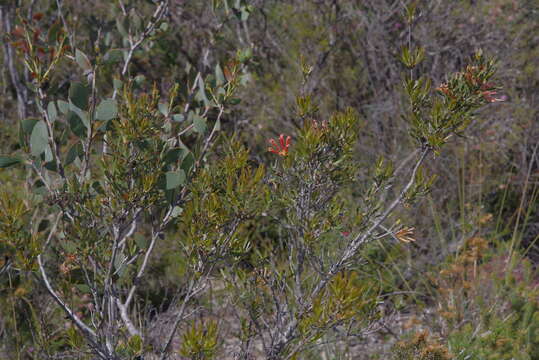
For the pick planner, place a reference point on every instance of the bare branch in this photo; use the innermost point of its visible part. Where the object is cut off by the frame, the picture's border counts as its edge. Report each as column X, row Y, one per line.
column 88, row 333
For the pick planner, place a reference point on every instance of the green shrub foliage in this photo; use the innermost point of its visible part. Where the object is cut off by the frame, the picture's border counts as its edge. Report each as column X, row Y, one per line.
column 147, row 210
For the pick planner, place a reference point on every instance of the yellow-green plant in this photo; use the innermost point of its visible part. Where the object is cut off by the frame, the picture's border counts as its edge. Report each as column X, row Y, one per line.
column 116, row 166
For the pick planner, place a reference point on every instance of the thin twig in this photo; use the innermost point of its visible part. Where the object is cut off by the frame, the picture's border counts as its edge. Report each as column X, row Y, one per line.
column 288, row 334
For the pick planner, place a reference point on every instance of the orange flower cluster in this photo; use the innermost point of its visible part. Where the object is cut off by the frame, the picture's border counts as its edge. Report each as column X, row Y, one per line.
column 281, row 148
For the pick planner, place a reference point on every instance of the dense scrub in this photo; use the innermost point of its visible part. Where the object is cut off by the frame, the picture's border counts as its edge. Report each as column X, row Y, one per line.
column 269, row 179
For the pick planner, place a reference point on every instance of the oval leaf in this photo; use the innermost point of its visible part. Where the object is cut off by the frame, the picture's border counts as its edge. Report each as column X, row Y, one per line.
column 82, row 60
column 27, row 125
column 79, row 95
column 175, row 179
column 117, row 83
column 74, row 152
column 39, row 140
column 219, row 76
column 106, row 110
column 200, row 124
column 163, row 108
column 76, row 124
column 52, row 112
column 174, row 155
column 188, row 162
column 178, row 117
column 63, row 106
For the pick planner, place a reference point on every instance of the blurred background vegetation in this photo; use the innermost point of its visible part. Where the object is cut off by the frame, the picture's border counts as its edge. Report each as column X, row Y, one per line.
column 468, row 287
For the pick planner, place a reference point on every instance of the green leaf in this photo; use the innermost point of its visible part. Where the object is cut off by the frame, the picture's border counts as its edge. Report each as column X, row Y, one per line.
column 107, row 110
column 83, row 115
column 163, row 108
column 79, row 95
column 114, row 56
column 175, row 179
column 140, row 240
column 39, row 140
column 52, row 112
column 201, row 94
column 27, row 125
column 178, row 117
column 117, row 83
column 188, row 162
column 76, row 124
column 48, row 158
column 82, row 60
column 200, row 124
column 63, row 106
column 6, row 161
column 219, row 76
column 174, row 155
column 74, row 151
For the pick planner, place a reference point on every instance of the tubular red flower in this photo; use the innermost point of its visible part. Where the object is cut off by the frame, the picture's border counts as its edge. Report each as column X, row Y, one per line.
column 489, row 96
column 281, row 148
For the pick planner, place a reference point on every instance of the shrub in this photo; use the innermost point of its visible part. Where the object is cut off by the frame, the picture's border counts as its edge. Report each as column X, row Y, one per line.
column 117, row 166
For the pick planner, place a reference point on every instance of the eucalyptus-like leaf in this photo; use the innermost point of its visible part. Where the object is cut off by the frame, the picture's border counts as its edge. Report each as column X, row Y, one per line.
column 188, row 162
column 39, row 140
column 173, row 155
column 201, row 94
column 79, row 95
column 63, row 106
column 74, row 151
column 107, row 110
column 178, row 117
column 76, row 124
column 82, row 60
column 52, row 112
column 219, row 76
column 163, row 108
column 199, row 123
column 117, row 83
column 175, row 179
column 27, row 125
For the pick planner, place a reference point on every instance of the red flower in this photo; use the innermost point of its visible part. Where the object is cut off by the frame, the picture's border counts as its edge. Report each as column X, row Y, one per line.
column 488, row 95
column 282, row 147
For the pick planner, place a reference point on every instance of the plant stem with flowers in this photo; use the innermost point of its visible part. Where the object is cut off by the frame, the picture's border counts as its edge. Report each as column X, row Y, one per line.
column 308, row 186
